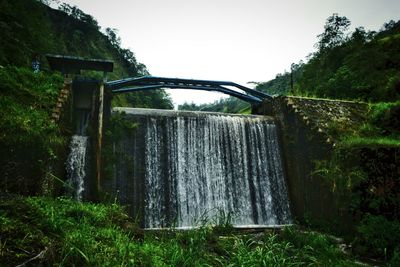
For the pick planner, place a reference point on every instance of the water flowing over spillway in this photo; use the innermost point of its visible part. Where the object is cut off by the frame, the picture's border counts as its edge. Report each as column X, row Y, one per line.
column 76, row 166
column 199, row 166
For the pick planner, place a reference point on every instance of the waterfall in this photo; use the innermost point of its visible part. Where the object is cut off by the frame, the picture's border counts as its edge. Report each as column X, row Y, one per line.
column 76, row 166
column 199, row 166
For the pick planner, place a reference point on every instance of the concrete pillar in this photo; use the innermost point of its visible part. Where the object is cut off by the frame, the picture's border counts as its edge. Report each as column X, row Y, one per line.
column 99, row 136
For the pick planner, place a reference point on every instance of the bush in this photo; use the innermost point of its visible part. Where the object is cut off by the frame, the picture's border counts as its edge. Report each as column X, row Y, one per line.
column 387, row 117
column 379, row 237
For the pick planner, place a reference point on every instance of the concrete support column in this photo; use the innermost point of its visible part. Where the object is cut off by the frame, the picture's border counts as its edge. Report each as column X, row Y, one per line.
column 100, row 135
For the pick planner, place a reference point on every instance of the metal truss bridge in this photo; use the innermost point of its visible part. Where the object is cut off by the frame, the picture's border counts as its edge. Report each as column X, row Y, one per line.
column 151, row 83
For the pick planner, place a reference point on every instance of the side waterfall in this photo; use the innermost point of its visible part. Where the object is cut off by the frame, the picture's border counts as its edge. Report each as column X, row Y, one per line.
column 198, row 166
column 77, row 161
column 76, row 166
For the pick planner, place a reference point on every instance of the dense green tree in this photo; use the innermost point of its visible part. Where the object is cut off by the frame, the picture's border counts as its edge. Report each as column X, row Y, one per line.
column 334, row 33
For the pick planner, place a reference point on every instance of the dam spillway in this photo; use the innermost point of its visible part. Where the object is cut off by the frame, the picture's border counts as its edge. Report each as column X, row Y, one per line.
column 179, row 169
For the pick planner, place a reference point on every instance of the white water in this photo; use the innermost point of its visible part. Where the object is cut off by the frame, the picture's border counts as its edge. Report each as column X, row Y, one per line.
column 210, row 167
column 76, row 166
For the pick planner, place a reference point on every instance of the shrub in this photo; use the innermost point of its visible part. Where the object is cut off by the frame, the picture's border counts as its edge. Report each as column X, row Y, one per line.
column 379, row 237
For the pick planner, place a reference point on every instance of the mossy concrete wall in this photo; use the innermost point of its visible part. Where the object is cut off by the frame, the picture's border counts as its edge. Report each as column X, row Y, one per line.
column 305, row 126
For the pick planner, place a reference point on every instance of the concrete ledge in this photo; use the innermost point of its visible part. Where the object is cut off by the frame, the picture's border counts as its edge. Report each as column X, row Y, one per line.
column 252, row 227
column 175, row 113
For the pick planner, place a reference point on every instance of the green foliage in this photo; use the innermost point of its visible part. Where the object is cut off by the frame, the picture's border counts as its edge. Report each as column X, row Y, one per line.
column 70, row 233
column 28, row 137
column 317, row 248
column 364, row 168
column 78, row 14
column 341, row 180
column 27, row 100
column 360, row 66
column 29, row 29
column 379, row 128
column 126, row 56
column 386, row 117
column 379, row 237
column 281, row 85
column 334, row 32
column 356, row 141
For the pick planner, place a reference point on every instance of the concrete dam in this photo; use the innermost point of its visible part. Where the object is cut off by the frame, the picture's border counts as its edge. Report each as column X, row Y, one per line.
column 179, row 169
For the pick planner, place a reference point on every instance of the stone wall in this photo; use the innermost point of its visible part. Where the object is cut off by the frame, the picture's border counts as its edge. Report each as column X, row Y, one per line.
column 307, row 130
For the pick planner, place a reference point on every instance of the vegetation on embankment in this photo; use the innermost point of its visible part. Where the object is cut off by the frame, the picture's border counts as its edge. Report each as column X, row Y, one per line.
column 29, row 139
column 63, row 232
column 368, row 179
column 380, row 127
column 364, row 167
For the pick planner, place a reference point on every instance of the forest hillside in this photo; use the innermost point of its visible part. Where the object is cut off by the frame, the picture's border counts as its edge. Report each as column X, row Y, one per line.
column 360, row 65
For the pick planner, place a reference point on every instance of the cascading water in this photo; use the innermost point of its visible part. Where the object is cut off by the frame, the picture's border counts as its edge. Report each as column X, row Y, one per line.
column 76, row 166
column 200, row 165
column 77, row 163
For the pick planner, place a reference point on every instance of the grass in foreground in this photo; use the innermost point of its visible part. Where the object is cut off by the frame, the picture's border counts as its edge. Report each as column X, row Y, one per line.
column 63, row 232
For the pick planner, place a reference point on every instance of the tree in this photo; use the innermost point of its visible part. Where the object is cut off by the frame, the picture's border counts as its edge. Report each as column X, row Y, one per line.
column 49, row 2
column 112, row 36
column 334, row 33
column 78, row 14
column 389, row 25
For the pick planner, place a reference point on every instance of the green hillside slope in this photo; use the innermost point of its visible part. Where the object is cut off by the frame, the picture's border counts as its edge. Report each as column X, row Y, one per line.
column 30, row 29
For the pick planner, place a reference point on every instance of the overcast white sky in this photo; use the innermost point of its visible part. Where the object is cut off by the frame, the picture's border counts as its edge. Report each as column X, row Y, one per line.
column 233, row 40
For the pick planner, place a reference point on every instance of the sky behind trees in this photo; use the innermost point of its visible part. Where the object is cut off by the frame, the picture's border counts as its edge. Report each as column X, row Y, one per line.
column 233, row 40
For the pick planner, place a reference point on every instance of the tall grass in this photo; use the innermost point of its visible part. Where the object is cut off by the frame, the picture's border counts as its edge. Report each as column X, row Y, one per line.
column 84, row 234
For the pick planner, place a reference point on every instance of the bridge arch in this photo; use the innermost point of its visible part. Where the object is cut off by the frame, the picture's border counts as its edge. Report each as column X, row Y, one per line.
column 152, row 83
